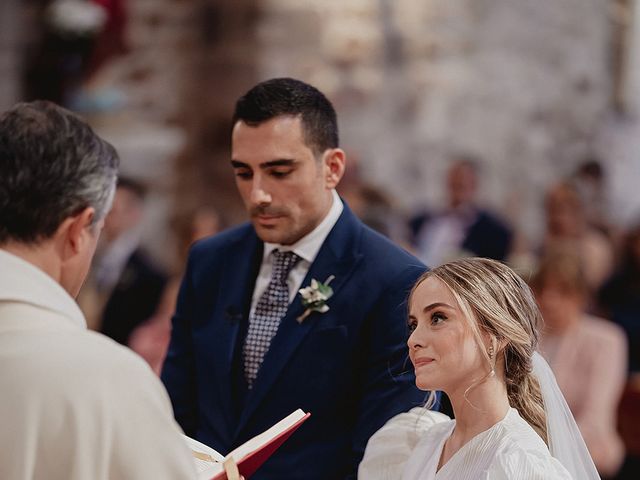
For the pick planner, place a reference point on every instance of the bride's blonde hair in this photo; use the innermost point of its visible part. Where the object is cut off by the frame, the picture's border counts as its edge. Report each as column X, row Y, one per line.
column 504, row 308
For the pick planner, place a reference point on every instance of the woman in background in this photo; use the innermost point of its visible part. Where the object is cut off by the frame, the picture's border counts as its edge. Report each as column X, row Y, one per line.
column 588, row 355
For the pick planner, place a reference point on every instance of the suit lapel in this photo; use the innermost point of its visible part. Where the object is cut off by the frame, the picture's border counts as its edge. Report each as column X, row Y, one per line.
column 337, row 257
column 239, row 272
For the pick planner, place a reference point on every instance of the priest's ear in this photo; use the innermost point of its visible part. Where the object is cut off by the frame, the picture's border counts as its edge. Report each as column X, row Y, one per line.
column 76, row 241
column 78, row 232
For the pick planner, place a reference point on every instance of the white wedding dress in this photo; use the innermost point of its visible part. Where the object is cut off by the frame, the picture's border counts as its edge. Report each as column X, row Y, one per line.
column 409, row 446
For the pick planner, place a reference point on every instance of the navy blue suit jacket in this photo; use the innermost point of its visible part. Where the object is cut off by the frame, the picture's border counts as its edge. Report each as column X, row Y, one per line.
column 348, row 366
column 487, row 236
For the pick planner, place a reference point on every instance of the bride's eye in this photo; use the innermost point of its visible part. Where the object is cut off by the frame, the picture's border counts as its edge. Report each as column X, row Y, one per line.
column 412, row 324
column 437, row 318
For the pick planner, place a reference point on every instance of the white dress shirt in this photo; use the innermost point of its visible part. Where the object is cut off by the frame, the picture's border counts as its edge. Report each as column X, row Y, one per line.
column 75, row 405
column 306, row 248
column 440, row 239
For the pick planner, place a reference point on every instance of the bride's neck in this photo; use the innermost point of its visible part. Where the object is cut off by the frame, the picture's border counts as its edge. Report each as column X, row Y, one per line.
column 483, row 406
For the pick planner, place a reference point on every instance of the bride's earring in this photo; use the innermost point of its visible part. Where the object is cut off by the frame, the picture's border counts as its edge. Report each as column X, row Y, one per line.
column 490, row 352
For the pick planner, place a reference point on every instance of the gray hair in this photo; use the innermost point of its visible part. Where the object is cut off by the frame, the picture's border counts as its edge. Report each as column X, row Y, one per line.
column 52, row 166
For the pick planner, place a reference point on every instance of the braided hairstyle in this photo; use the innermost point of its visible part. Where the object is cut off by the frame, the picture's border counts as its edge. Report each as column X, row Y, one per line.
column 503, row 306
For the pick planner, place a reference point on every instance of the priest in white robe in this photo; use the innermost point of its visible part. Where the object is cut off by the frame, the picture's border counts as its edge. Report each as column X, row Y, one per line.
column 74, row 404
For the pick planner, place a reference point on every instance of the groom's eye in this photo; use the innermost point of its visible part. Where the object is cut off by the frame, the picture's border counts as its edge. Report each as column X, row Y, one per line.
column 281, row 173
column 243, row 174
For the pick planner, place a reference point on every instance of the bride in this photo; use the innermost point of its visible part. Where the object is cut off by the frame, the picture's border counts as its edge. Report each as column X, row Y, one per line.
column 474, row 334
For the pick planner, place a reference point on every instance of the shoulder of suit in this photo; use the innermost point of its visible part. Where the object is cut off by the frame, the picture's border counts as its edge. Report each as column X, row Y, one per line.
column 225, row 239
column 374, row 243
column 492, row 219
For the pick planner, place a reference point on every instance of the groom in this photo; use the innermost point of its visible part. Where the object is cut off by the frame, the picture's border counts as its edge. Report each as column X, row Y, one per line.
column 245, row 351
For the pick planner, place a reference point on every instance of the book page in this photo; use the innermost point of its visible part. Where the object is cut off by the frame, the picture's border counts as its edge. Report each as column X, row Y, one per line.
column 206, row 459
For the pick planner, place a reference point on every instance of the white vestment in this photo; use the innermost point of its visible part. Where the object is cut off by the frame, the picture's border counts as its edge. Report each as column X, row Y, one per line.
column 74, row 404
column 409, row 448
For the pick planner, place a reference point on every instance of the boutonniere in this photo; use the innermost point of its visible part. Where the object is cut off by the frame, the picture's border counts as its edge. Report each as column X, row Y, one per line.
column 315, row 296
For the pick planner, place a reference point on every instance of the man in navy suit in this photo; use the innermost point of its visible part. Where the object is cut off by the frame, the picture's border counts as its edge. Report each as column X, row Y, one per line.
column 463, row 228
column 245, row 352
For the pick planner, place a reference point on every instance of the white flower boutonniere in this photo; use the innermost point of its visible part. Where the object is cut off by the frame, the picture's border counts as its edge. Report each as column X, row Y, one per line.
column 314, row 297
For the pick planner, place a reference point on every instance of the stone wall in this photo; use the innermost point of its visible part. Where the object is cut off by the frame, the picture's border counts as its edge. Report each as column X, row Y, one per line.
column 11, row 21
column 146, row 118
column 524, row 85
column 188, row 61
column 619, row 140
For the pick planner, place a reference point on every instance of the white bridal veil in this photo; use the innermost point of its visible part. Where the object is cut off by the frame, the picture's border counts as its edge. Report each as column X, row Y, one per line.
column 565, row 441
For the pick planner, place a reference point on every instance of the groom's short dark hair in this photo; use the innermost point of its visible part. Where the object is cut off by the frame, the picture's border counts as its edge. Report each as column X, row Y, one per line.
column 287, row 96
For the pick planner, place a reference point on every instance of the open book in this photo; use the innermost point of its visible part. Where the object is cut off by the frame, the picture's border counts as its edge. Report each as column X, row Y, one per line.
column 248, row 456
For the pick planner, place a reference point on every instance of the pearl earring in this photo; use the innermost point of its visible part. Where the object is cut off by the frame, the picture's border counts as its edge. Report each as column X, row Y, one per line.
column 490, row 352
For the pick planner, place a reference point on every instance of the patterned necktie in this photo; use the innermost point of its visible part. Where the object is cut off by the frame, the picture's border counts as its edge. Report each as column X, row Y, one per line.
column 270, row 309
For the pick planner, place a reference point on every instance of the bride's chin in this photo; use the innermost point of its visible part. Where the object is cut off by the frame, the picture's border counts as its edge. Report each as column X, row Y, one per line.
column 422, row 385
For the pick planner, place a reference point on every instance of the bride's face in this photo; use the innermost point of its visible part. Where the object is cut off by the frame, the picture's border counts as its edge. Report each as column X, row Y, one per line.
column 442, row 346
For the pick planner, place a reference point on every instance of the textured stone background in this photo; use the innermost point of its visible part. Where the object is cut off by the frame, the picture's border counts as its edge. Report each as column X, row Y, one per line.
column 523, row 85
column 527, row 86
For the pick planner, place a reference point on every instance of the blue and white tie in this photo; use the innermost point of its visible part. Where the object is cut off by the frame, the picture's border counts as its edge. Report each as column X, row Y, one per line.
column 270, row 309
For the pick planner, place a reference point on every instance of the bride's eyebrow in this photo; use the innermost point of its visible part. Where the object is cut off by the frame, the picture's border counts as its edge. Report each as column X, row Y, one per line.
column 436, row 305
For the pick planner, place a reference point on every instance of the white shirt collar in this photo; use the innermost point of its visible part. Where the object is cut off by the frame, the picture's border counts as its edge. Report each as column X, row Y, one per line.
column 308, row 246
column 23, row 282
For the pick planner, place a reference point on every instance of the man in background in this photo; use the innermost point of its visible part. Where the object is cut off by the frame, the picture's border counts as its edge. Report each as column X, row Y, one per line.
column 463, row 227
column 246, row 350
column 124, row 286
column 74, row 404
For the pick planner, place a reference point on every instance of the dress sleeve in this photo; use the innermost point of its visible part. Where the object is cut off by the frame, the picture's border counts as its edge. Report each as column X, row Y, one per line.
column 390, row 447
column 526, row 464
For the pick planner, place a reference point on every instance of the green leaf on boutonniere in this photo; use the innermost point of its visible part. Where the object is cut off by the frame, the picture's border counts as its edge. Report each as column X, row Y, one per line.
column 315, row 296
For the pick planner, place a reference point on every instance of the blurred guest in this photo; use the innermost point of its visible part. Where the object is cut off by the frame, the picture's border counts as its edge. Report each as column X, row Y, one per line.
column 376, row 209
column 590, row 181
column 620, row 296
column 463, row 228
column 57, row 60
column 587, row 354
column 150, row 340
column 74, row 405
column 567, row 227
column 111, row 40
column 124, row 286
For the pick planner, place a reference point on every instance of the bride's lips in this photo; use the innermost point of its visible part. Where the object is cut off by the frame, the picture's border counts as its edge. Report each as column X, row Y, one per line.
column 421, row 362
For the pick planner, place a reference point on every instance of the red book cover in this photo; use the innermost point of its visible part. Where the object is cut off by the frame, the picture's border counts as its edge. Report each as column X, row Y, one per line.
column 253, row 453
column 250, row 463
